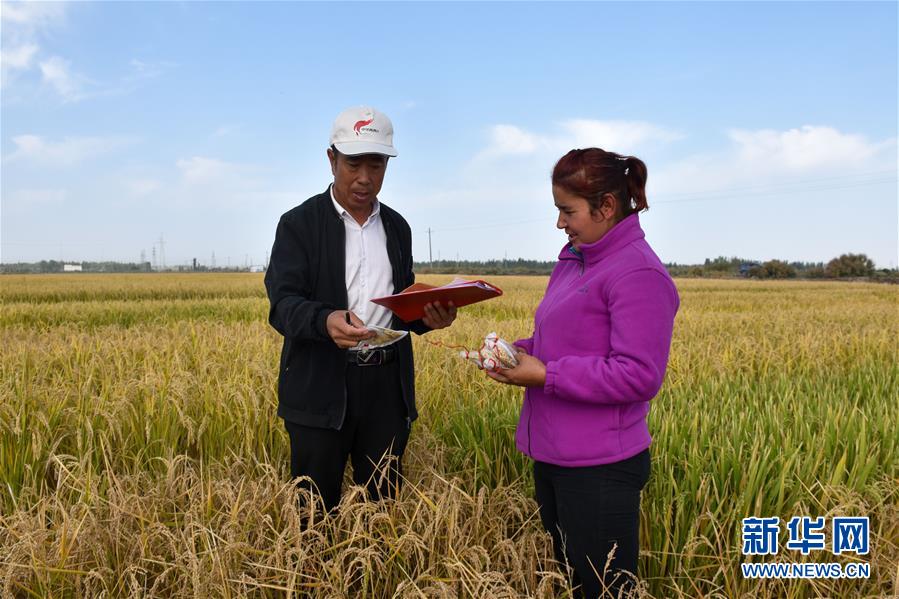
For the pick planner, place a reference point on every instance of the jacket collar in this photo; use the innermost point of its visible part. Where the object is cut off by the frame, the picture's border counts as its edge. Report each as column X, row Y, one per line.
column 626, row 231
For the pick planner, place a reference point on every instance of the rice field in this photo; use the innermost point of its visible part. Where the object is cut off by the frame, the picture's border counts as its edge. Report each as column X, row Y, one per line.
column 140, row 454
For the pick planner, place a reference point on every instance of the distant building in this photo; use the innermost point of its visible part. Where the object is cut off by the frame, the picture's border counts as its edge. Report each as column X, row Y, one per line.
column 71, row 268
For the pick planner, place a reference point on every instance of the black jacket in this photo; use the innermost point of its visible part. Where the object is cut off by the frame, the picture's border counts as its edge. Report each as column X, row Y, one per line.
column 305, row 282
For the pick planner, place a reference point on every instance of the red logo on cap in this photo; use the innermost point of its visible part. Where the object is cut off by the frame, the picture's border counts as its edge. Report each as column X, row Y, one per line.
column 360, row 124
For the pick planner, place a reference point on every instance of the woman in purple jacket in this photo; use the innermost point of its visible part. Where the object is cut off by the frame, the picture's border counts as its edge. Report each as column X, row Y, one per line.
column 597, row 357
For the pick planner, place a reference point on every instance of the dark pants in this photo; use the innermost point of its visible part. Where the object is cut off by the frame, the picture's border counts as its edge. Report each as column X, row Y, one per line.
column 374, row 435
column 590, row 510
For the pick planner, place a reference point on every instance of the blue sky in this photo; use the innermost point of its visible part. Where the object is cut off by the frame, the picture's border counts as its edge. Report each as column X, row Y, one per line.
column 769, row 129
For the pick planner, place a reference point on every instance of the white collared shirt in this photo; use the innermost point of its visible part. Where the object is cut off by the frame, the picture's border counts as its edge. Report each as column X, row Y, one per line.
column 368, row 270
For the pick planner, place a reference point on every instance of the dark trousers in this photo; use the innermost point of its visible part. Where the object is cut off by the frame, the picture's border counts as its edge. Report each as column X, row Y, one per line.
column 590, row 510
column 374, row 435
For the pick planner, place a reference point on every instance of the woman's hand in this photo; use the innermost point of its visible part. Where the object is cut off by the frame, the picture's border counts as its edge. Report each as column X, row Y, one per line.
column 530, row 372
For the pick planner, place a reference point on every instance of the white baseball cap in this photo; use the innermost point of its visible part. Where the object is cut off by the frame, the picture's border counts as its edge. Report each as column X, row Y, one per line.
column 363, row 130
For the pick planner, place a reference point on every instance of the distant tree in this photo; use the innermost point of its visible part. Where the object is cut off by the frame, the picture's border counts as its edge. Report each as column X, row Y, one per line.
column 696, row 271
column 886, row 275
column 773, row 269
column 850, row 265
column 49, row 266
column 815, row 272
column 722, row 264
column 780, row 270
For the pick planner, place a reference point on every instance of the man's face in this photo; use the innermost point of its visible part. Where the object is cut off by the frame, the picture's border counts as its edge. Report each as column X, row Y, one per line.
column 357, row 179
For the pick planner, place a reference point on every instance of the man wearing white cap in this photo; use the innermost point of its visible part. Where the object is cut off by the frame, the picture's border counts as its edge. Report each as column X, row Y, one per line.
column 332, row 254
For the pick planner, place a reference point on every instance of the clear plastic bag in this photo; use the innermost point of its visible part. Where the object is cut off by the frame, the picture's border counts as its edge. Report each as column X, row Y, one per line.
column 494, row 354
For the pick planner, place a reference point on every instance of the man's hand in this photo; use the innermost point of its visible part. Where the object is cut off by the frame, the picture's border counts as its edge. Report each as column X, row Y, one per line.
column 530, row 372
column 438, row 317
column 346, row 335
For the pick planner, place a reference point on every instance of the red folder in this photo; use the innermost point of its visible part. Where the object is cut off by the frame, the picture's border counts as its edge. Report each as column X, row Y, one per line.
column 409, row 304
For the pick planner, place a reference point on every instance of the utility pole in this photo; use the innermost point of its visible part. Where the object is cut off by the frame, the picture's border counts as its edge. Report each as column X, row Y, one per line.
column 430, row 255
column 161, row 252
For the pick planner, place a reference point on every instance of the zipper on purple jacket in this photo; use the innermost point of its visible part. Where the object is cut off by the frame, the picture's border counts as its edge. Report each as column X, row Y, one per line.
column 530, row 413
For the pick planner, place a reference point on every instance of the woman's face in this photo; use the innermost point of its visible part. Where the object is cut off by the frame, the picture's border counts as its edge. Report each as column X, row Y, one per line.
column 580, row 224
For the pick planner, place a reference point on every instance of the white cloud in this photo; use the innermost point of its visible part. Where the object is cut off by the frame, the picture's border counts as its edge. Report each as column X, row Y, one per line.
column 270, row 198
column 766, row 157
column 509, row 140
column 23, row 23
column 142, row 70
column 142, row 187
column 200, row 170
column 624, row 137
column 619, row 136
column 207, row 181
column 140, row 66
column 22, row 197
column 800, row 166
column 805, row 148
column 56, row 73
column 75, row 87
column 225, row 130
column 32, row 15
column 19, row 57
column 69, row 151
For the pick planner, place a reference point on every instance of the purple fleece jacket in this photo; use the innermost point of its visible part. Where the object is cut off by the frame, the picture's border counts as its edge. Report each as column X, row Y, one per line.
column 603, row 330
